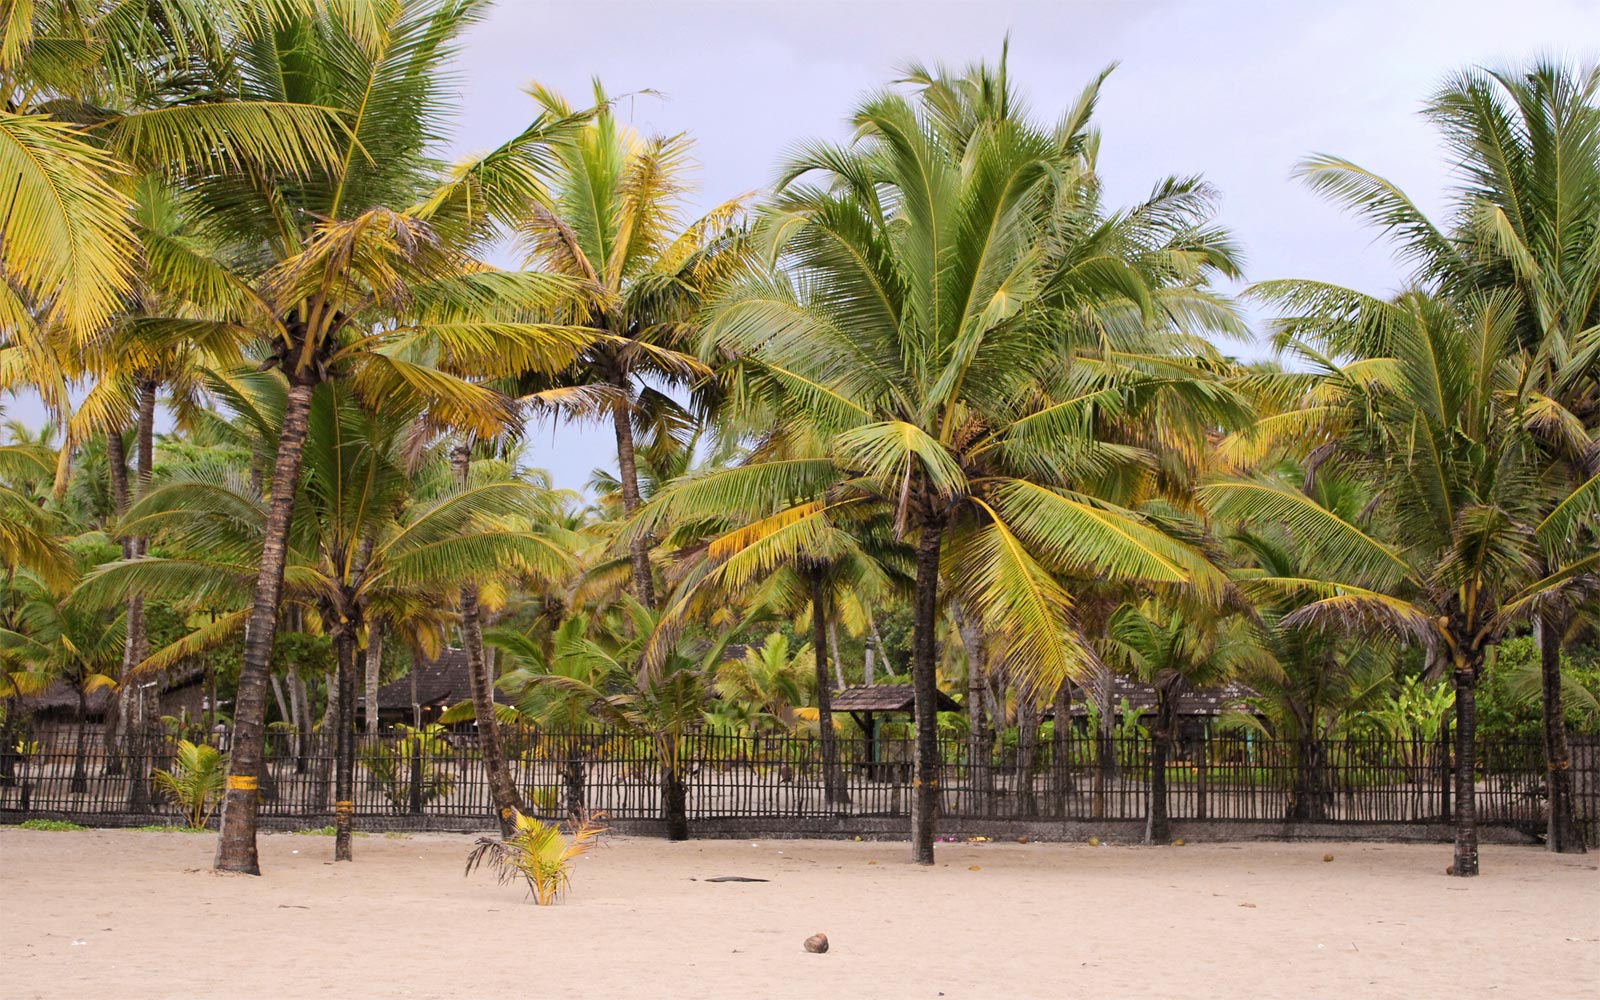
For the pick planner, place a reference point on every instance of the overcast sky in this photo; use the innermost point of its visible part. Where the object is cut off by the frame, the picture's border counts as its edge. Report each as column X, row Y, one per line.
column 1235, row 91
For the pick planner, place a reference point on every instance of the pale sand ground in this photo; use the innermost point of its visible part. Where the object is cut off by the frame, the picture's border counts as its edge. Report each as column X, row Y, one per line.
column 105, row 914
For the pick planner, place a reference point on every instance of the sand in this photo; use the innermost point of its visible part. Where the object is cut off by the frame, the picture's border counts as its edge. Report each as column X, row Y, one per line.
column 115, row 914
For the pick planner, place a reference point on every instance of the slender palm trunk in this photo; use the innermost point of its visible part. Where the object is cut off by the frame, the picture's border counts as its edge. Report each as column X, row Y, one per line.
column 644, row 587
column 1105, row 749
column 80, row 769
column 980, row 732
column 1158, row 828
column 833, row 790
column 117, row 465
column 502, row 790
column 344, row 781
column 374, row 663
column 1563, row 834
column 1466, row 849
column 1060, row 726
column 833, row 650
column 925, row 691
column 1027, row 753
column 675, row 802
column 136, row 644
column 236, row 846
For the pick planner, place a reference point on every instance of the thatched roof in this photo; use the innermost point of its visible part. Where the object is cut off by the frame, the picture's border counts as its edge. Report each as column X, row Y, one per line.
column 885, row 698
column 440, row 683
column 1141, row 698
column 61, row 699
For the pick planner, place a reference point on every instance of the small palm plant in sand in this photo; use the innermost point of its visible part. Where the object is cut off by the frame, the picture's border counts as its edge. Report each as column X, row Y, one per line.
column 195, row 782
column 539, row 853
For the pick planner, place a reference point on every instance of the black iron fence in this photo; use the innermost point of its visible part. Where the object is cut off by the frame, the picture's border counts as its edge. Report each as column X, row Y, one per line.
column 778, row 776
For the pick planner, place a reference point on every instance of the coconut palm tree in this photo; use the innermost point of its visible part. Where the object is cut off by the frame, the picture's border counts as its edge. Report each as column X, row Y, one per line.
column 1432, row 416
column 57, row 643
column 951, row 317
column 1524, row 218
column 368, row 271
column 374, row 536
column 1178, row 649
column 616, row 223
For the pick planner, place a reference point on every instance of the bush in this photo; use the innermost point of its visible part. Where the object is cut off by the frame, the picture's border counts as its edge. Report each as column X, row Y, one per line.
column 195, row 782
column 52, row 825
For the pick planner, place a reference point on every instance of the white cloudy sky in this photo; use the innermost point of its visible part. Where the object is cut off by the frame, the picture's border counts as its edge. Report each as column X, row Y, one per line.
column 1237, row 91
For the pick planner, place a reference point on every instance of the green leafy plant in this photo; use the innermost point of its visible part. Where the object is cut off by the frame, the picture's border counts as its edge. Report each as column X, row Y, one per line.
column 538, row 853
column 195, row 782
column 392, row 769
column 52, row 825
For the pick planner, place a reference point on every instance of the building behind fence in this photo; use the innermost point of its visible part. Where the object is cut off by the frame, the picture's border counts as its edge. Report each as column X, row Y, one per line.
column 436, row 779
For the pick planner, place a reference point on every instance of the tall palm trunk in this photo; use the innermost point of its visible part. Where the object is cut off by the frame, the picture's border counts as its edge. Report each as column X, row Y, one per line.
column 136, row 644
column 344, row 782
column 236, row 846
column 644, row 587
column 1563, row 834
column 1466, row 849
column 833, row 790
column 117, row 466
column 502, row 790
column 374, row 663
column 925, row 692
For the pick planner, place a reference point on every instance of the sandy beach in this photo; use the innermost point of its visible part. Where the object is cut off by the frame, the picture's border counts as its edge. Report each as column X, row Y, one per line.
column 117, row 914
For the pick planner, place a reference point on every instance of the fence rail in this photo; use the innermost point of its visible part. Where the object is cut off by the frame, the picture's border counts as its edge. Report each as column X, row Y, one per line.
column 774, row 777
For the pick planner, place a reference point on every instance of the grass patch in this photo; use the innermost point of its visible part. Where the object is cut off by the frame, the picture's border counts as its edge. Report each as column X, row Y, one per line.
column 321, row 831
column 52, row 825
column 164, row 828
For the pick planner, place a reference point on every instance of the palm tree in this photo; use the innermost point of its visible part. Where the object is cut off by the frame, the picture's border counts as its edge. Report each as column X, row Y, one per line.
column 951, row 317
column 616, row 224
column 1431, row 416
column 1176, row 649
column 58, row 643
column 366, row 289
column 1314, row 682
column 374, row 537
column 1524, row 218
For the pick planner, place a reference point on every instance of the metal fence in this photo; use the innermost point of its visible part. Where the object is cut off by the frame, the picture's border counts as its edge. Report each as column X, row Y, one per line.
column 778, row 776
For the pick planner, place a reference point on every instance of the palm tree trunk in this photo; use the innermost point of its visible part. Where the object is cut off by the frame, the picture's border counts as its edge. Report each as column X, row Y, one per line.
column 502, row 790
column 628, row 476
column 1027, row 753
column 374, row 662
column 236, row 846
column 1466, row 849
column 833, row 651
column 1060, row 776
column 1562, row 832
column 925, row 691
column 80, row 770
column 833, row 791
column 1158, row 828
column 675, row 803
column 980, row 734
column 1104, row 741
column 117, row 465
column 344, row 787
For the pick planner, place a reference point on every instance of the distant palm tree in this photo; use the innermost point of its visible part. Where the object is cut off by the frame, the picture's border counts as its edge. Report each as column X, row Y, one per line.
column 616, row 224
column 1176, row 650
